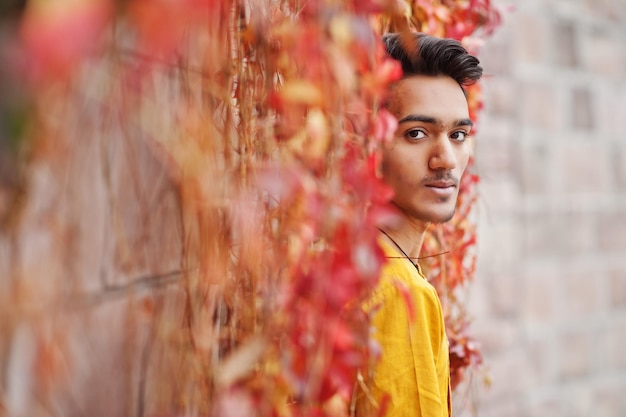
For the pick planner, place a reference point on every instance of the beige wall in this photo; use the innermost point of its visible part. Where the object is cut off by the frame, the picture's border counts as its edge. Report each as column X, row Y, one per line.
column 550, row 297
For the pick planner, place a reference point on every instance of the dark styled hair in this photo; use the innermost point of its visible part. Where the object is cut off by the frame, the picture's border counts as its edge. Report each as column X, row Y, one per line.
column 421, row 54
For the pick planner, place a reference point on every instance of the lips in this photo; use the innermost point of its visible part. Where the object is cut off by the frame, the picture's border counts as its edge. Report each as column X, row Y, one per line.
column 441, row 183
column 442, row 188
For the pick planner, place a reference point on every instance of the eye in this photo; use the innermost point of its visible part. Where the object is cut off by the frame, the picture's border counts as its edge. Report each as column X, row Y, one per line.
column 415, row 134
column 459, row 136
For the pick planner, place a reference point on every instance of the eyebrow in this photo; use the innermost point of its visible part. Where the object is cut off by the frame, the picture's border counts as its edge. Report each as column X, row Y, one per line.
column 433, row 121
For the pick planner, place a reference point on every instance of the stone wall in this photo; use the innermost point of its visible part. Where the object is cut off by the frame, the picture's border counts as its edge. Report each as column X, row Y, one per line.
column 550, row 298
column 87, row 264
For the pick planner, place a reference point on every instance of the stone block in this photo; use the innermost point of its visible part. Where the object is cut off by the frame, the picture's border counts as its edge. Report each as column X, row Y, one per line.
column 500, row 238
column 535, row 165
column 531, row 32
column 581, row 292
column 540, row 106
column 612, row 232
column 545, row 405
column 577, row 401
column 565, row 46
column 574, row 355
column 552, row 234
column 83, row 360
column 619, row 165
column 611, row 349
column 495, row 149
column 496, row 58
column 609, row 103
column 585, row 168
column 477, row 300
column 508, row 373
column 106, row 216
column 606, row 10
column 563, row 9
column 582, row 109
column 505, row 290
column 617, row 288
column 603, row 54
column 607, row 396
column 542, row 357
column 541, row 298
column 496, row 335
column 144, row 216
column 501, row 97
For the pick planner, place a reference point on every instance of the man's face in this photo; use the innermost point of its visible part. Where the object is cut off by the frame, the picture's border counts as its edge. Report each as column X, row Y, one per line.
column 425, row 160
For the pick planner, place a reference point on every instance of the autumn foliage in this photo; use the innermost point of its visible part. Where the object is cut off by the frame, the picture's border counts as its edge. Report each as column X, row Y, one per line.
column 267, row 118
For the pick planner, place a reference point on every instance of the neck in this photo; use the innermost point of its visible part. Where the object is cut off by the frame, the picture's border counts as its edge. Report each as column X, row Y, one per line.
column 409, row 234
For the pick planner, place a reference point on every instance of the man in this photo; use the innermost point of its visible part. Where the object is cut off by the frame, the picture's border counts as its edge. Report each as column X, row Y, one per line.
column 423, row 164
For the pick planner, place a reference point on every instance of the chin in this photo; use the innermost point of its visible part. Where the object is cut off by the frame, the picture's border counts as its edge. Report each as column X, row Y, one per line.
column 436, row 213
column 435, row 217
column 445, row 219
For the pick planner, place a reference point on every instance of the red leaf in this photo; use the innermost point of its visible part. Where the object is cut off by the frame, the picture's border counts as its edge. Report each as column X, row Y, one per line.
column 57, row 37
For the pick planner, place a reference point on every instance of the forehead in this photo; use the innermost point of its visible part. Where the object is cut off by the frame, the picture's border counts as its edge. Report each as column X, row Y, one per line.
column 438, row 97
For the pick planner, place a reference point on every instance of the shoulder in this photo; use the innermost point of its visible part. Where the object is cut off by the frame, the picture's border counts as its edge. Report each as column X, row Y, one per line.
column 398, row 280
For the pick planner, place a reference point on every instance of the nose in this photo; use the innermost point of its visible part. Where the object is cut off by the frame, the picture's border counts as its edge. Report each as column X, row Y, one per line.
column 442, row 156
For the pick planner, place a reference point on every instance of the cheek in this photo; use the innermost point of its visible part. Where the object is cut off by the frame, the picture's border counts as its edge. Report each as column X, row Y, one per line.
column 388, row 169
column 398, row 169
column 388, row 161
column 392, row 157
column 463, row 155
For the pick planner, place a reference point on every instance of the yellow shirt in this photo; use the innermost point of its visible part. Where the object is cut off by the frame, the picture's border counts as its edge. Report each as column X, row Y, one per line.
column 414, row 367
